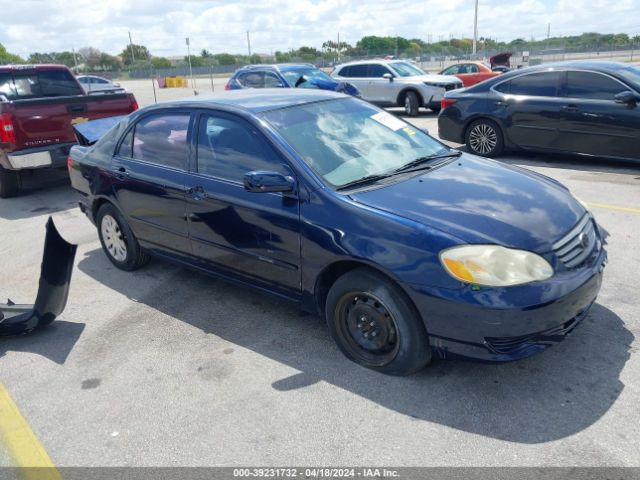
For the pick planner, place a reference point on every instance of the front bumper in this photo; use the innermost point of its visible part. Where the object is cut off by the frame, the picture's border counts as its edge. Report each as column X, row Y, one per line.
column 508, row 323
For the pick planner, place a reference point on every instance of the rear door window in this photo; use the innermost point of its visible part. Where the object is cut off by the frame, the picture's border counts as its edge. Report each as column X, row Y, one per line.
column 345, row 72
column 252, row 79
column 162, row 139
column 542, row 84
column 358, row 71
column 271, row 80
column 593, row 86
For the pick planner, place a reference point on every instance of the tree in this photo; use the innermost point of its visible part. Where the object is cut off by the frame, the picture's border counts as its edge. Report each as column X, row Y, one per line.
column 160, row 62
column 90, row 57
column 225, row 59
column 6, row 57
column 140, row 53
column 195, row 61
column 205, row 53
column 109, row 62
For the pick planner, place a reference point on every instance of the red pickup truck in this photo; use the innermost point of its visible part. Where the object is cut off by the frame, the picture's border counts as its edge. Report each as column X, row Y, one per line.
column 38, row 106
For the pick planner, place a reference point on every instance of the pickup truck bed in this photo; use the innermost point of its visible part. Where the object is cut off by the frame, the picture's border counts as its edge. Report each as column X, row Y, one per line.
column 38, row 107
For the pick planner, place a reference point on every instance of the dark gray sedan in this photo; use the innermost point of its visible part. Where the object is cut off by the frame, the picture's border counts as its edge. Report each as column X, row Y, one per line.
column 581, row 107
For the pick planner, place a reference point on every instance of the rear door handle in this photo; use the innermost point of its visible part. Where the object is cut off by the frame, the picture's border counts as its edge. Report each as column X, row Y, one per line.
column 120, row 172
column 570, row 108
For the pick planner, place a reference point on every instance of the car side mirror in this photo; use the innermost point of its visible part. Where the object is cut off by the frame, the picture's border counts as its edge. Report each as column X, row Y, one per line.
column 627, row 97
column 388, row 76
column 263, row 181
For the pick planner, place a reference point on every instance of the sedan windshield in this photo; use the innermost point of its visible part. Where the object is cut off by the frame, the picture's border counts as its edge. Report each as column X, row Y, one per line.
column 309, row 73
column 347, row 140
column 405, row 69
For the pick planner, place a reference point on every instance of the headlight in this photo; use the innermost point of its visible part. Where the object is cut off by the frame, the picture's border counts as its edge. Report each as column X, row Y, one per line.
column 494, row 266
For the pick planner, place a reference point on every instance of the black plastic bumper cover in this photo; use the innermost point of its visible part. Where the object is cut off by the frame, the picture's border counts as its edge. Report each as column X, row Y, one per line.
column 53, row 290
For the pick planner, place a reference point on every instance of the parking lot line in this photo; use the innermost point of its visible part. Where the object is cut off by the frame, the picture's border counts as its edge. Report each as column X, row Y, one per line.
column 613, row 207
column 22, row 444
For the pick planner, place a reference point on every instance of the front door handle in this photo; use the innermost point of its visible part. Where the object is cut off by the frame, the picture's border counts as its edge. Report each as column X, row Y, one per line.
column 570, row 108
column 197, row 192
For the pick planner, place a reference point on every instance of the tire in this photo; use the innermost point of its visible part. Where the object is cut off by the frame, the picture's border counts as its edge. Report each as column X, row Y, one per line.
column 117, row 239
column 363, row 304
column 411, row 103
column 484, row 138
column 9, row 183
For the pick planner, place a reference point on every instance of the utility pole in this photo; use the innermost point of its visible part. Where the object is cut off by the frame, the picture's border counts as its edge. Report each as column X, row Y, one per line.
column 133, row 57
column 193, row 85
column 475, row 29
column 75, row 59
column 249, row 45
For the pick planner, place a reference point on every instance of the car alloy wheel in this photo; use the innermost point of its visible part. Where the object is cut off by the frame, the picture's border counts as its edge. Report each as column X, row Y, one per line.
column 483, row 138
column 407, row 105
column 367, row 328
column 113, row 238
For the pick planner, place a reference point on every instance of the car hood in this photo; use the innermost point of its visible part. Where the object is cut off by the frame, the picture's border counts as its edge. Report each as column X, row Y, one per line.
column 482, row 201
column 444, row 79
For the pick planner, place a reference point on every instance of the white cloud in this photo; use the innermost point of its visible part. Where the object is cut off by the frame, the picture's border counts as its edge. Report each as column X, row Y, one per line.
column 220, row 26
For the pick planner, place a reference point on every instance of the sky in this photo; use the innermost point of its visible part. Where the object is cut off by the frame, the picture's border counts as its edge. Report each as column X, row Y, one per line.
column 221, row 25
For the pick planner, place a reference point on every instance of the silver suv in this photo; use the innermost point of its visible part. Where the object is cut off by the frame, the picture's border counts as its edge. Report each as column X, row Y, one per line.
column 396, row 83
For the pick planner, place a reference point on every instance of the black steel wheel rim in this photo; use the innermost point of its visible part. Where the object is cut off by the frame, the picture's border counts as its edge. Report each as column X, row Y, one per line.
column 367, row 329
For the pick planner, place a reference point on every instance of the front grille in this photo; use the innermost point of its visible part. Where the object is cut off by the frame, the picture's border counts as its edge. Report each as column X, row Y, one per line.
column 576, row 246
column 451, row 86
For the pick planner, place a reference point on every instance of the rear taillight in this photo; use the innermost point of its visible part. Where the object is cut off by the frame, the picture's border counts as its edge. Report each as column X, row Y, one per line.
column 446, row 102
column 134, row 106
column 69, row 163
column 7, row 132
column 227, row 86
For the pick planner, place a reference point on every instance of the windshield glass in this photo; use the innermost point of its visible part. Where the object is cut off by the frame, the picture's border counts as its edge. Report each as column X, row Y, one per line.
column 309, row 73
column 631, row 74
column 405, row 69
column 347, row 139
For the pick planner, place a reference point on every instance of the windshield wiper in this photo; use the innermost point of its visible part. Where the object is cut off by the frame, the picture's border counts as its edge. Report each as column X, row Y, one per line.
column 420, row 160
column 366, row 180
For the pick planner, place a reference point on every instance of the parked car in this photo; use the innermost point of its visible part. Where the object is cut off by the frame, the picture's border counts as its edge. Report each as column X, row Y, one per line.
column 38, row 105
column 92, row 83
column 287, row 75
column 397, row 83
column 470, row 72
column 407, row 247
column 581, row 107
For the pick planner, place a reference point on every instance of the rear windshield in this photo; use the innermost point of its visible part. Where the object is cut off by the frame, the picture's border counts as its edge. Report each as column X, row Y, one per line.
column 45, row 83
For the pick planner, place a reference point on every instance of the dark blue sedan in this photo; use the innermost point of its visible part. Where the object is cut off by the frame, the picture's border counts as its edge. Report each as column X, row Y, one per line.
column 408, row 249
column 287, row 75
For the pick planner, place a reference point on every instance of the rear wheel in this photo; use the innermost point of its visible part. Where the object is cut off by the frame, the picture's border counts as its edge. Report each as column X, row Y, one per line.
column 9, row 183
column 374, row 323
column 411, row 104
column 117, row 239
column 484, row 138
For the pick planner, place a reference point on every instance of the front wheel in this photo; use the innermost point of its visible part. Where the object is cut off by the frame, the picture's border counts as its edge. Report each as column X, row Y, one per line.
column 375, row 325
column 484, row 138
column 411, row 104
column 117, row 239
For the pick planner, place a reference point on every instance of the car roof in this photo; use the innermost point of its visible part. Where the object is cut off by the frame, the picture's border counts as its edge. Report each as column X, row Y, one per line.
column 373, row 60
column 275, row 66
column 255, row 100
column 595, row 65
column 43, row 66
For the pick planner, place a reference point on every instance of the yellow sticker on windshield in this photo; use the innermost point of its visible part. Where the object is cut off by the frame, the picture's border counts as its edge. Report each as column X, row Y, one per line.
column 409, row 131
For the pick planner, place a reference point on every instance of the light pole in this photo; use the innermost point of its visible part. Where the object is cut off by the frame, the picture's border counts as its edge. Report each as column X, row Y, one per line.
column 133, row 57
column 249, row 45
column 193, row 85
column 475, row 29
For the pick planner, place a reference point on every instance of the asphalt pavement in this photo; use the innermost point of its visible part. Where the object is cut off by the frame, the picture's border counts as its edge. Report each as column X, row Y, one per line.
column 167, row 367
